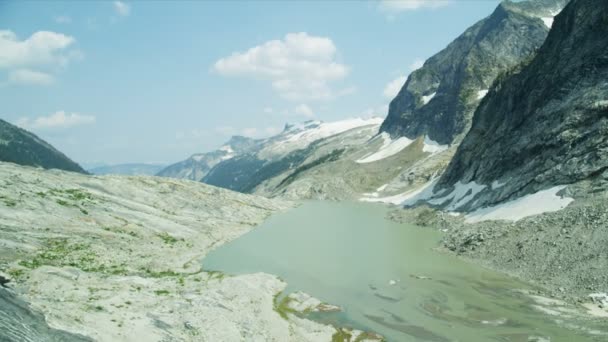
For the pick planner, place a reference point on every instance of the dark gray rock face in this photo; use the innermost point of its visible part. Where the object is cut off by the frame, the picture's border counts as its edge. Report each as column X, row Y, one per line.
column 24, row 148
column 545, row 123
column 439, row 99
column 18, row 323
column 198, row 165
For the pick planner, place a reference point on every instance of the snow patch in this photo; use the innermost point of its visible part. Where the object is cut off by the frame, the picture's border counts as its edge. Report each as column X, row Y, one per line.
column 497, row 184
column 406, row 198
column 433, row 146
column 382, row 187
column 426, row 99
column 548, row 21
column 540, row 202
column 389, row 148
column 198, row 157
column 323, row 130
column 227, row 149
column 461, row 195
column 482, row 93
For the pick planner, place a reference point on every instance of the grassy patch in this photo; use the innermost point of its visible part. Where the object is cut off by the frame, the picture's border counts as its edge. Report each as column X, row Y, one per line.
column 341, row 336
column 161, row 292
column 216, row 275
column 15, row 273
column 168, row 239
column 160, row 274
column 9, row 202
column 61, row 253
column 282, row 306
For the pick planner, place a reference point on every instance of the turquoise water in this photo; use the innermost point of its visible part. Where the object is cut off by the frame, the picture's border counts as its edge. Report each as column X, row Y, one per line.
column 387, row 277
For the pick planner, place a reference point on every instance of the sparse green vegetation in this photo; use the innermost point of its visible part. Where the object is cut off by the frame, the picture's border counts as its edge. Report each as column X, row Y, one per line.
column 161, row 292
column 61, row 253
column 120, row 230
column 15, row 272
column 341, row 336
column 62, row 202
column 8, row 201
column 216, row 275
column 168, row 239
column 282, row 306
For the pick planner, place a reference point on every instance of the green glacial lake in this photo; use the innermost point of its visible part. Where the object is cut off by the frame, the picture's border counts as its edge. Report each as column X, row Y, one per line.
column 388, row 279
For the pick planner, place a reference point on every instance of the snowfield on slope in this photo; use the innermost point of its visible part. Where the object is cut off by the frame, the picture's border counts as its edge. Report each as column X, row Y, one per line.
column 391, row 147
column 300, row 136
column 540, row 202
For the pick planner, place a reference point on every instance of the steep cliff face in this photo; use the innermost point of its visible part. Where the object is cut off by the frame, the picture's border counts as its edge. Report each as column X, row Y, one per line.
column 545, row 123
column 22, row 147
column 438, row 100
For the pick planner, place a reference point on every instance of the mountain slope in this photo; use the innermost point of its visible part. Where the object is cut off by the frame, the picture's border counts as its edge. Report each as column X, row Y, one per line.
column 22, row 147
column 544, row 124
column 284, row 152
column 438, row 100
column 198, row 165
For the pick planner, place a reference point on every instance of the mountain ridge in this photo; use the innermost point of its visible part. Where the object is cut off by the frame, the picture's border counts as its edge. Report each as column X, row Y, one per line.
column 22, row 147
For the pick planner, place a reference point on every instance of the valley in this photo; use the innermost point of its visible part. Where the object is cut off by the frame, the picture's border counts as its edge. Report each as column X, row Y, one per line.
column 476, row 210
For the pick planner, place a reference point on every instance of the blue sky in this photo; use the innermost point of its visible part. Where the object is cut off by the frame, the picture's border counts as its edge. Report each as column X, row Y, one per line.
column 145, row 81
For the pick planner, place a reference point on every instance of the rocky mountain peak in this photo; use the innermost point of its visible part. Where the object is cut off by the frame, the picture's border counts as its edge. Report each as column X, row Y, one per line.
column 438, row 100
column 546, row 123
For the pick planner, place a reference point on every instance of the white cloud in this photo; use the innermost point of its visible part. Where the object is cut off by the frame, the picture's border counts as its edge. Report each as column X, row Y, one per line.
column 63, row 19
column 268, row 110
column 417, row 64
column 58, row 120
column 122, row 8
column 41, row 48
column 27, row 76
column 305, row 111
column 35, row 59
column 299, row 67
column 396, row 6
column 392, row 88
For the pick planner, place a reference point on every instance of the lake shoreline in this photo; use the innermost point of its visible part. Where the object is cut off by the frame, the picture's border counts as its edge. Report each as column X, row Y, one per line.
column 519, row 249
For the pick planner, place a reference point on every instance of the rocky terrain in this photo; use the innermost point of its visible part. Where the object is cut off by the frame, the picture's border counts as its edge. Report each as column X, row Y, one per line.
column 531, row 176
column 543, row 124
column 25, row 148
column 117, row 258
column 563, row 252
column 438, row 100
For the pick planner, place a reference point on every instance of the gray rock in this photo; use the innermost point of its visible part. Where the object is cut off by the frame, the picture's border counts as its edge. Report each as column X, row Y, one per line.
column 467, row 66
column 544, row 123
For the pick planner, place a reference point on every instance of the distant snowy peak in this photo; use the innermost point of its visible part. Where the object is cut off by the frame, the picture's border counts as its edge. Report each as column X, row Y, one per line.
column 300, row 136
